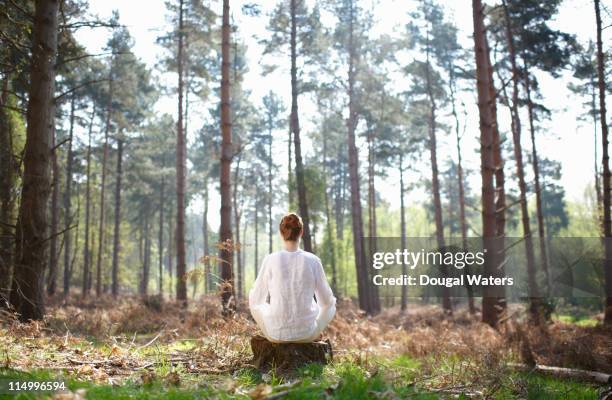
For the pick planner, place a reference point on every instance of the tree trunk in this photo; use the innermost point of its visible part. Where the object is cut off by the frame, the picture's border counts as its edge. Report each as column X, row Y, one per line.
column 7, row 206
column 500, row 190
column 181, row 149
column 146, row 264
column 535, row 307
column 237, row 243
column 32, row 229
column 460, row 182
column 290, row 194
column 598, row 194
column 256, row 260
column 117, row 233
column 73, row 256
column 160, row 237
column 328, row 223
column 270, row 196
column 195, row 278
column 55, row 186
column 537, row 186
column 404, row 302
column 365, row 289
column 225, row 229
column 435, row 185
column 86, row 277
column 371, row 196
column 490, row 310
column 288, row 357
column 67, row 207
column 295, row 128
column 607, row 223
column 68, row 191
column 243, row 255
column 340, row 200
column 372, row 219
column 209, row 278
column 86, row 248
column 171, row 243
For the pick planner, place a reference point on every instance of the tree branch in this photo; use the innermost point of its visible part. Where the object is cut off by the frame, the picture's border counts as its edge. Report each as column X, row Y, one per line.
column 71, row 90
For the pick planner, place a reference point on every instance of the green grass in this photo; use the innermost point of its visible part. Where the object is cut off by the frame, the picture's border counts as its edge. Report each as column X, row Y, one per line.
column 582, row 321
column 538, row 387
column 394, row 378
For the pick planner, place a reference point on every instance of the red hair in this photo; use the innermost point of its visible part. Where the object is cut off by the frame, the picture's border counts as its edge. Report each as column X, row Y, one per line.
column 291, row 227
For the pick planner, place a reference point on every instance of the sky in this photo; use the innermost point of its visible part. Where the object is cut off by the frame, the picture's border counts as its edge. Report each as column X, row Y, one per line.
column 563, row 138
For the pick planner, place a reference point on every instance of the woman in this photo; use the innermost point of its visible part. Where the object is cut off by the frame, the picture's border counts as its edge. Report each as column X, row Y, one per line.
column 282, row 299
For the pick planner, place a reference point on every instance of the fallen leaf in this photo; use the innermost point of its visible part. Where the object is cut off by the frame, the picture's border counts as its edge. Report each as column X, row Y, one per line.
column 260, row 392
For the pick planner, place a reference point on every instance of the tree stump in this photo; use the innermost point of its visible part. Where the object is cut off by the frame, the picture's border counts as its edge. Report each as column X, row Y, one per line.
column 289, row 356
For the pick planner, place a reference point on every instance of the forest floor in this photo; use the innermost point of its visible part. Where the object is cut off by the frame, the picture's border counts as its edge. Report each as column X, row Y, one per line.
column 131, row 348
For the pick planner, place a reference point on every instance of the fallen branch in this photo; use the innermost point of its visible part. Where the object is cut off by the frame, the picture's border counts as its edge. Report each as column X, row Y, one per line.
column 559, row 372
column 151, row 341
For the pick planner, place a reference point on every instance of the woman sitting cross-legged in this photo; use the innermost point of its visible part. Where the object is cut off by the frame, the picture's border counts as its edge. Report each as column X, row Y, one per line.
column 282, row 300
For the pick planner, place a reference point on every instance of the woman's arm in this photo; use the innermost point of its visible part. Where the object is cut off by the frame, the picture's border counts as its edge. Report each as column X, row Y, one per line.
column 325, row 296
column 259, row 293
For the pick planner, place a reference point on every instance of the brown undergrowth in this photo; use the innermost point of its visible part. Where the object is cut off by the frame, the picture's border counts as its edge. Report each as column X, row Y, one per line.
column 107, row 340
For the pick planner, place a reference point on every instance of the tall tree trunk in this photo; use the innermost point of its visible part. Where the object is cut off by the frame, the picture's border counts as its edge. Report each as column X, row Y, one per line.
column 256, row 260
column 372, row 216
column 365, row 289
column 32, row 223
column 328, row 223
column 270, row 196
column 598, row 194
column 404, row 302
column 460, row 182
column 295, row 128
column 536, row 173
column 7, row 206
column 117, row 233
column 160, row 236
column 170, row 251
column 242, row 254
column 535, row 308
column 237, row 243
column 435, row 184
column 607, row 223
column 340, row 200
column 68, row 218
column 490, row 301
column 225, row 229
column 207, row 271
column 290, row 194
column 371, row 196
column 101, row 236
column 181, row 261
column 195, row 279
column 55, row 186
column 67, row 207
column 86, row 248
column 146, row 251
column 73, row 256
column 500, row 190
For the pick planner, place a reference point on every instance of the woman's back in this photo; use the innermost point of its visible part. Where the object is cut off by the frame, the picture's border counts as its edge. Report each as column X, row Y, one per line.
column 291, row 279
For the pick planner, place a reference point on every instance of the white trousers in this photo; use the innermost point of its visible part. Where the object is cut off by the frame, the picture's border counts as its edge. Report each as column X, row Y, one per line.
column 323, row 319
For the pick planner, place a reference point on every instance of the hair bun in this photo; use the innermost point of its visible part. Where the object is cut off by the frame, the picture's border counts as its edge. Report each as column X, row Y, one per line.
column 291, row 227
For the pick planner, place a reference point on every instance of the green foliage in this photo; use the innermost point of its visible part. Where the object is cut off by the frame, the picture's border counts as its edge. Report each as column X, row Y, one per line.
column 311, row 40
column 553, row 197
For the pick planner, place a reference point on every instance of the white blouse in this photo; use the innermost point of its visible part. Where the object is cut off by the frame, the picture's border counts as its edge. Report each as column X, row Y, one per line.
column 291, row 279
